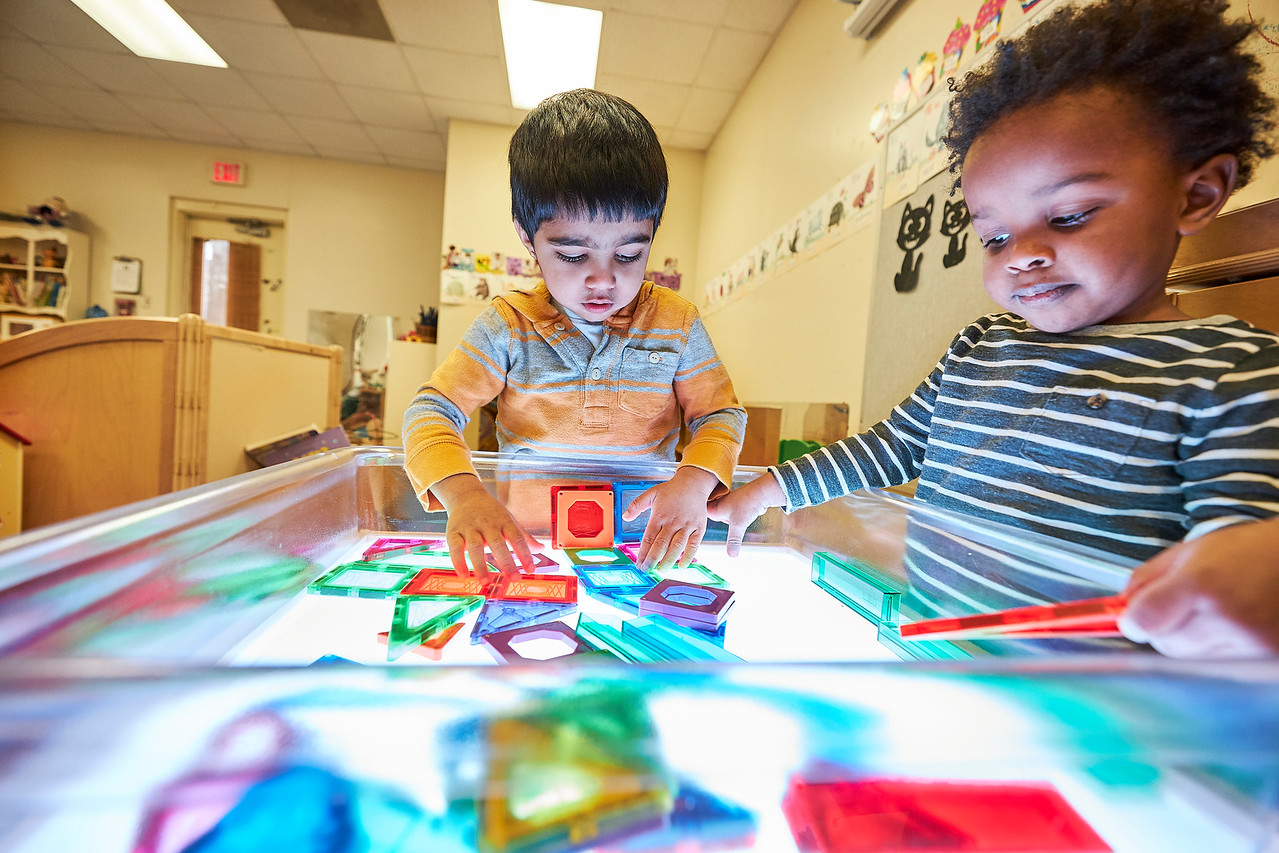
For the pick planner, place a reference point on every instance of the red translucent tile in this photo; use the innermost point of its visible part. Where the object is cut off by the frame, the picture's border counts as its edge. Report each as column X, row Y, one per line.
column 581, row 516
column 432, row 647
column 561, row 588
column 441, row 582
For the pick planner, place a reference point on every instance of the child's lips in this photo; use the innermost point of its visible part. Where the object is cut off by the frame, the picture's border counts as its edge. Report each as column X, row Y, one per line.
column 1040, row 294
column 598, row 305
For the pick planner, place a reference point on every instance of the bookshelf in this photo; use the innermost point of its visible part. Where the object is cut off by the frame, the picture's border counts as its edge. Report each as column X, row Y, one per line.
column 44, row 276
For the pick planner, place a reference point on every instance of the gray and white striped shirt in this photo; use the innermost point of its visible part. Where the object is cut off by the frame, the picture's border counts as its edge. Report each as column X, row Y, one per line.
column 1125, row 438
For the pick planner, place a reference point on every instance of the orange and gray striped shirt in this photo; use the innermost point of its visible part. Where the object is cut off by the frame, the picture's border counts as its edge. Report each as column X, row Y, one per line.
column 559, row 395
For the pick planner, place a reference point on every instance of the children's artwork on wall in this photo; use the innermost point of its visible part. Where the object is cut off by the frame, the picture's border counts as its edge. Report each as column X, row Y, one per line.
column 914, row 230
column 953, row 52
column 905, row 151
column 987, row 24
column 900, row 102
column 845, row 208
column 924, row 241
column 880, row 121
column 935, row 116
column 955, row 220
column 925, row 74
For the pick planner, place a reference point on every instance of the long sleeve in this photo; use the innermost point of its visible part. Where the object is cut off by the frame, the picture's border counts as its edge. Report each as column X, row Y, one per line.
column 472, row 374
column 716, row 421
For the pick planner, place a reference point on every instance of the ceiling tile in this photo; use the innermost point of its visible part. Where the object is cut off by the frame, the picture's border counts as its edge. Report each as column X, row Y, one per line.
column 705, row 110
column 346, row 135
column 699, row 12
column 443, row 108
column 389, row 109
column 355, row 156
column 761, row 16
column 28, row 61
column 661, row 103
column 408, row 143
column 689, row 140
column 279, row 146
column 669, row 54
column 217, row 86
column 731, row 59
column 460, row 76
column 359, row 61
column 174, row 115
column 118, row 72
column 20, row 97
column 57, row 23
column 93, row 106
column 295, row 96
column 255, row 124
column 459, row 26
column 433, row 165
column 258, row 47
column 259, row 11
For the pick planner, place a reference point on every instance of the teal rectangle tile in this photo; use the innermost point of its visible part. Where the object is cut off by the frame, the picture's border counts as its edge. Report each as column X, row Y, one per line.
column 857, row 586
column 676, row 642
column 889, row 636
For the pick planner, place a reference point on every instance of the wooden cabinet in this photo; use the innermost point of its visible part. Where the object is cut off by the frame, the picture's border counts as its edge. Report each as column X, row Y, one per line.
column 44, row 276
column 126, row 408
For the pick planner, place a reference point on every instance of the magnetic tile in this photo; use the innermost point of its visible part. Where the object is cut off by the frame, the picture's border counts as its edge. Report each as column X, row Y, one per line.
column 623, row 494
column 442, row 582
column 857, row 586
column 498, row 615
column 618, row 578
column 581, row 516
column 432, row 646
column 597, row 556
column 688, row 604
column 387, row 547
column 699, row 822
column 666, row 640
column 540, row 561
column 692, row 573
column 419, row 616
column 559, row 588
column 363, row 580
column 553, row 641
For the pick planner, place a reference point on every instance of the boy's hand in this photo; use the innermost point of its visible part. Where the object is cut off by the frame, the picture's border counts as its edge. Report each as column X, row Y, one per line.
column 1212, row 597
column 476, row 519
column 741, row 506
column 678, row 522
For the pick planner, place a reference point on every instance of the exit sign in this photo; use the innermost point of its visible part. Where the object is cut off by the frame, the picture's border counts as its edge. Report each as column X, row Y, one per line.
column 228, row 173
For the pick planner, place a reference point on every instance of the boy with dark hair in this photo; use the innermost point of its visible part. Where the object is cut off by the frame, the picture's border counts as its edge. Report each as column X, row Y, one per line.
column 595, row 361
column 1094, row 410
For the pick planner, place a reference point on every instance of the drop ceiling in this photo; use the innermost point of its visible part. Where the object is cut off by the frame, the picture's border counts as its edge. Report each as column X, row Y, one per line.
column 312, row 93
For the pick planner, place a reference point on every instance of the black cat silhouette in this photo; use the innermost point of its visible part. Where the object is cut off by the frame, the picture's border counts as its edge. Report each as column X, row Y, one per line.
column 954, row 219
column 911, row 234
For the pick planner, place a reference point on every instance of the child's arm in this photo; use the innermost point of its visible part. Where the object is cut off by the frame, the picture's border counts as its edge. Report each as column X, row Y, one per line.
column 1216, row 596
column 743, row 505
column 675, row 529
column 477, row 519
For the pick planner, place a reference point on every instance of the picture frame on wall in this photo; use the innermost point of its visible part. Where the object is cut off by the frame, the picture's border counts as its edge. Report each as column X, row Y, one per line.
column 16, row 324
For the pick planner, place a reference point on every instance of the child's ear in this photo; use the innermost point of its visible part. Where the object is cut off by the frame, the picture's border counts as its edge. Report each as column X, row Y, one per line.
column 1207, row 188
column 524, row 238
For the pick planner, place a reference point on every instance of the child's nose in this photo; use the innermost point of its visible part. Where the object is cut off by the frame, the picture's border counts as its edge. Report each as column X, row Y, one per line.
column 1028, row 254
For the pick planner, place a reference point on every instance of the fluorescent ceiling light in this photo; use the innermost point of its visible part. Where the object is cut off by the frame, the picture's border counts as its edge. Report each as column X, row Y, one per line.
column 152, row 29
column 549, row 48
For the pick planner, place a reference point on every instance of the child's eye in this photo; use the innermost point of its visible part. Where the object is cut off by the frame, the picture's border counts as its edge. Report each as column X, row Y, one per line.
column 1071, row 220
column 995, row 242
column 569, row 259
column 629, row 259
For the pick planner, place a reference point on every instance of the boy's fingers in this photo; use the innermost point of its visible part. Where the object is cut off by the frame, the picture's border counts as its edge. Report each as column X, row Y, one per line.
column 520, row 543
column 457, row 553
column 736, row 530
column 690, row 550
column 480, row 566
column 674, row 549
column 636, row 507
column 656, row 551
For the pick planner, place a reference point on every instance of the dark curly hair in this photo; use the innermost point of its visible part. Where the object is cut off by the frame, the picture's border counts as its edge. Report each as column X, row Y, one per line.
column 586, row 152
column 1182, row 59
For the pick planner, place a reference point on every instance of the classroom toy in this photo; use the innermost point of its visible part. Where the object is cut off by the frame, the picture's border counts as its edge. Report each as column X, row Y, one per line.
column 597, row 556
column 692, row 573
column 390, row 547
column 441, row 582
column 700, row 822
column 507, row 615
column 532, row 643
column 873, row 814
column 1092, row 617
column 540, row 561
column 363, row 580
column 432, row 647
column 584, row 768
column 560, row 588
column 619, row 579
column 419, row 616
column 581, row 516
column 691, row 605
column 857, row 586
column 624, row 494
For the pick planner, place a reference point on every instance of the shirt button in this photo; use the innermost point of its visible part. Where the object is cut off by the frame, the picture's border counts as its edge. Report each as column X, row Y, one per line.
column 1096, row 401
column 559, row 327
column 595, row 374
column 655, row 357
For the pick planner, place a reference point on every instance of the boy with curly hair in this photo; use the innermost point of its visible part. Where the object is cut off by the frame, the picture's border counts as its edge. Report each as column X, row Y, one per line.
column 594, row 362
column 1093, row 410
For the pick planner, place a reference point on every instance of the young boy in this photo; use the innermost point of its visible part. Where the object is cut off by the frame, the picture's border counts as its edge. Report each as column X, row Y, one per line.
column 1095, row 410
column 593, row 362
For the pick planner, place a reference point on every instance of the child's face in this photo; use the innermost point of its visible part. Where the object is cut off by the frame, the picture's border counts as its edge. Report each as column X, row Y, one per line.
column 592, row 267
column 1078, row 205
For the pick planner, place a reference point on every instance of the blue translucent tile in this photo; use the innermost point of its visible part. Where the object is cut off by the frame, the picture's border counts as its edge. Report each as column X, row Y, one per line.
column 857, row 586
column 699, row 821
column 615, row 580
column 633, row 531
column 499, row 615
column 621, row 599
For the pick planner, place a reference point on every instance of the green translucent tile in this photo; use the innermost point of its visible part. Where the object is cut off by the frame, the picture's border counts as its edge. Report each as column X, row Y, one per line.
column 597, row 556
column 692, row 573
column 676, row 641
column 608, row 636
column 363, row 580
column 858, row 586
column 888, row 635
column 418, row 616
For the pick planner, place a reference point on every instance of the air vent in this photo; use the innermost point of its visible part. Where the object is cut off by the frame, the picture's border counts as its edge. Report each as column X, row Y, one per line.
column 361, row 18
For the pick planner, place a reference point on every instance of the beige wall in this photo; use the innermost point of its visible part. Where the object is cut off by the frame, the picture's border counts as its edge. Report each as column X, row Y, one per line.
column 800, row 125
column 358, row 239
